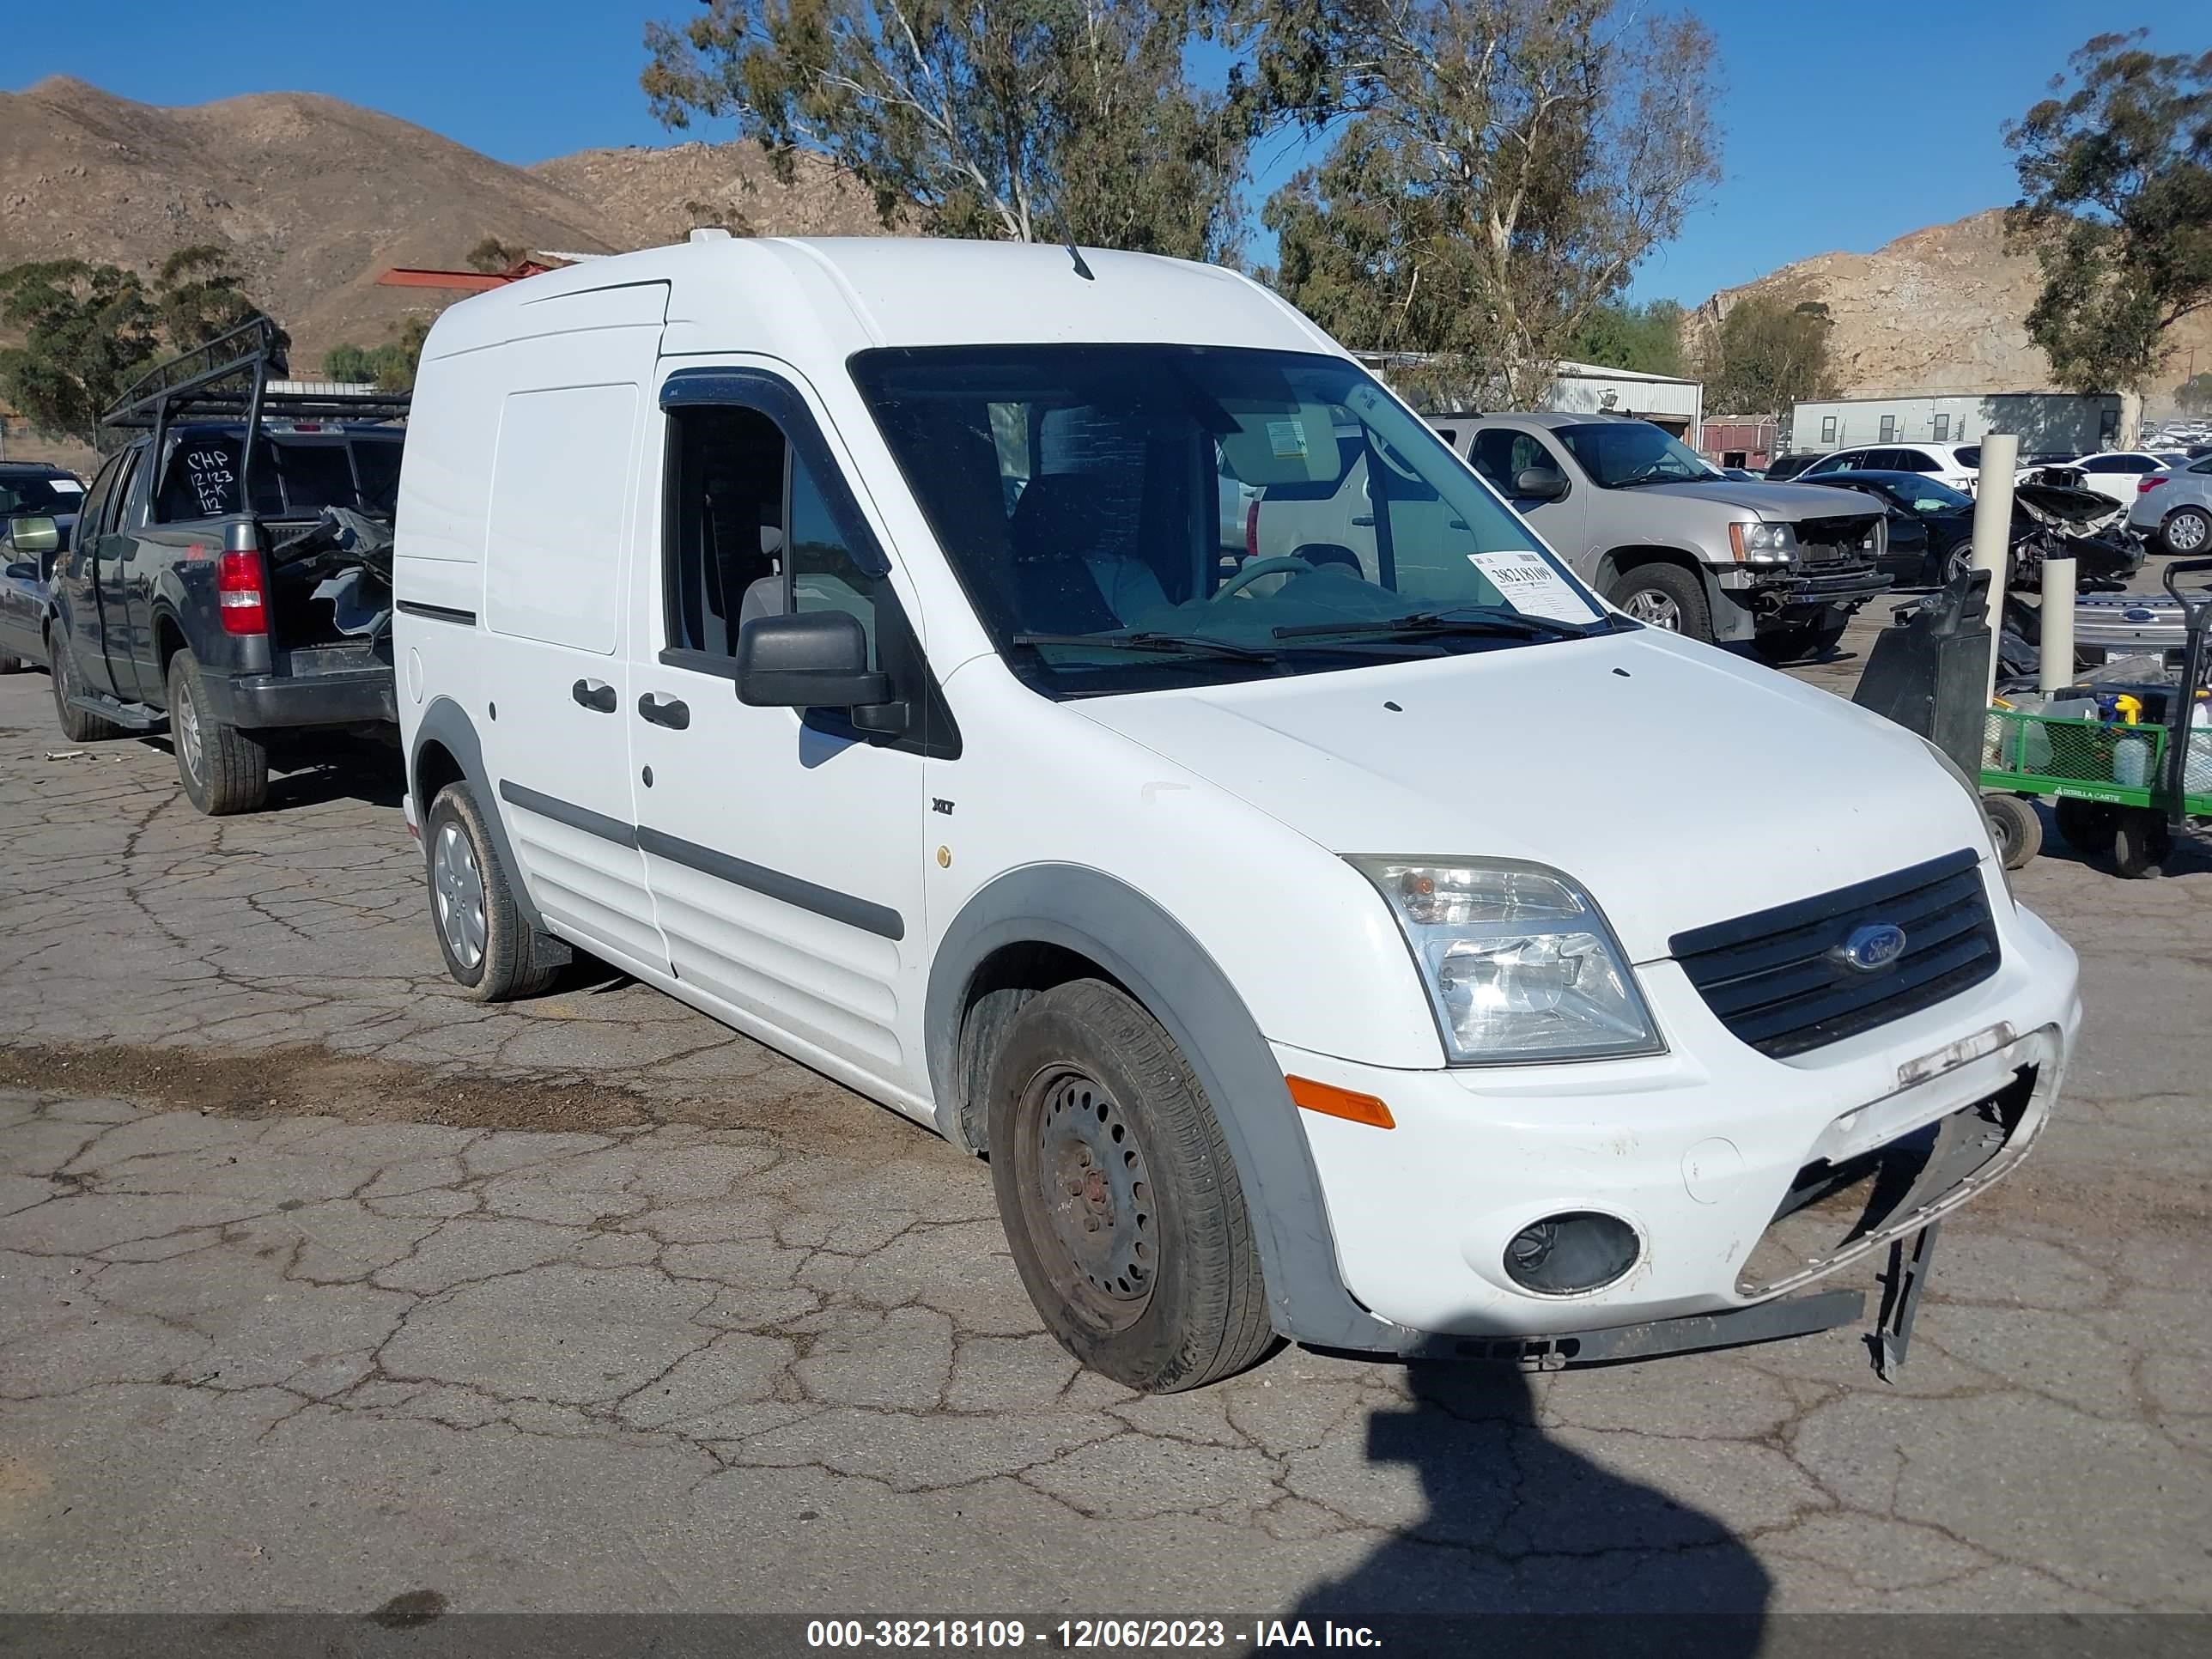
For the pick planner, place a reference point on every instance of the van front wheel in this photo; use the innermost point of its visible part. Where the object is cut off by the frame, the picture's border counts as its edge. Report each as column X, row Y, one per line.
column 1121, row 1201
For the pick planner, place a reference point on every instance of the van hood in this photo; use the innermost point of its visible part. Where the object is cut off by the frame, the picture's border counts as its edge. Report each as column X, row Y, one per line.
column 1680, row 785
column 1775, row 503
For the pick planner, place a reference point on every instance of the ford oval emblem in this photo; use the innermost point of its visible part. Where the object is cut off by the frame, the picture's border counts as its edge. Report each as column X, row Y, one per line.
column 1871, row 948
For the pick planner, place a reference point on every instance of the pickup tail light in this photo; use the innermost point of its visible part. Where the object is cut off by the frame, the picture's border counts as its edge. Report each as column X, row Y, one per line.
column 1252, row 531
column 2145, row 485
column 240, row 593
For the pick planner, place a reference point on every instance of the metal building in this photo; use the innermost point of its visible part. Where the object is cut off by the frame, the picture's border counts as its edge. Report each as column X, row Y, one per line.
column 2047, row 422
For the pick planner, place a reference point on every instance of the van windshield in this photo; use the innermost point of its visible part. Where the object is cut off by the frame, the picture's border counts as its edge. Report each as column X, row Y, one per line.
column 1131, row 517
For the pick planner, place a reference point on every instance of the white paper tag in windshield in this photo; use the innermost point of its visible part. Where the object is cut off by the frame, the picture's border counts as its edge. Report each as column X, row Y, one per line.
column 1288, row 440
column 65, row 486
column 1532, row 587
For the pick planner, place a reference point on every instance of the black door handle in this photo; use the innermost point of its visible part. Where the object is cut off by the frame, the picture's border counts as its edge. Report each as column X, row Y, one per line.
column 595, row 694
column 672, row 713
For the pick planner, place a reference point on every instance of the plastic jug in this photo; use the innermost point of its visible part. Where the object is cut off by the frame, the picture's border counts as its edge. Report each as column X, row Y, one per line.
column 2131, row 762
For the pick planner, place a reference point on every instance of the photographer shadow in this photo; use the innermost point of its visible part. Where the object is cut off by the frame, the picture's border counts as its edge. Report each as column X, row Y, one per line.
column 1519, row 1524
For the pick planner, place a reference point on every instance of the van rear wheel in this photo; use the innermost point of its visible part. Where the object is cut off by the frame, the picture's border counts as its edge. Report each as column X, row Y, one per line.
column 491, row 949
column 1121, row 1200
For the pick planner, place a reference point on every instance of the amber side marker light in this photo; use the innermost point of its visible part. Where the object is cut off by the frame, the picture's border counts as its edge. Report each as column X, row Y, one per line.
column 1332, row 1101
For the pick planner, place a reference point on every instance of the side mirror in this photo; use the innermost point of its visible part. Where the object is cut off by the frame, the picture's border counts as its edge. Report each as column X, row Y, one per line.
column 807, row 660
column 34, row 535
column 1539, row 483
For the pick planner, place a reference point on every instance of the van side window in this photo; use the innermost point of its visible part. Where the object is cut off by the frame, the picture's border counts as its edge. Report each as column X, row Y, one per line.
column 821, row 571
column 725, row 525
column 749, row 533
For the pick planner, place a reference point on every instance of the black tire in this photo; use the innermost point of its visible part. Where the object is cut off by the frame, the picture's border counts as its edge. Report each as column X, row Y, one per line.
column 2194, row 532
column 2017, row 828
column 1666, row 596
column 2140, row 841
column 77, row 724
column 498, row 958
column 1798, row 642
column 13, row 664
column 222, row 769
column 1095, row 1118
column 2088, row 826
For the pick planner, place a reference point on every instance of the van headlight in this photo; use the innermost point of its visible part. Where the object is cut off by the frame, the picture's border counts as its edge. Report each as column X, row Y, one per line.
column 1519, row 963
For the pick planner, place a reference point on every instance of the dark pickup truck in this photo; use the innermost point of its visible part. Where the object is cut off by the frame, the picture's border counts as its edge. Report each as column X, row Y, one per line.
column 230, row 573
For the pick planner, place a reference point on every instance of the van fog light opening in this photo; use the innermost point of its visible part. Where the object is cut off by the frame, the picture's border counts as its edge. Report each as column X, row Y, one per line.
column 1575, row 1251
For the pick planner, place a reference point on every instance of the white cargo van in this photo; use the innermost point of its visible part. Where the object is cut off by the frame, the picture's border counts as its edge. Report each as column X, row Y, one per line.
column 1392, row 953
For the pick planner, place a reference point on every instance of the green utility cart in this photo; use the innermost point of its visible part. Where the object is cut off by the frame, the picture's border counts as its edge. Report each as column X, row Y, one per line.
column 2121, row 790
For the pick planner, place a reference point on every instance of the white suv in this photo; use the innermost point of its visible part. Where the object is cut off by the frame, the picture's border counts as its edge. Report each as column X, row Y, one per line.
column 837, row 635
column 1956, row 464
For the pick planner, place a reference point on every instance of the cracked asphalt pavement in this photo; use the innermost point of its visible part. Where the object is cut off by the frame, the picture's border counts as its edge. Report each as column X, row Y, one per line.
column 321, row 1287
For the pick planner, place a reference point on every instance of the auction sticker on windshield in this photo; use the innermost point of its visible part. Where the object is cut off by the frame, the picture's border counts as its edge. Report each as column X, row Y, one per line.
column 1532, row 587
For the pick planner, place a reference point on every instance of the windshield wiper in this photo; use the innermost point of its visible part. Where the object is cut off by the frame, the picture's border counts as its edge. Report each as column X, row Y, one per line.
column 1166, row 643
column 1511, row 624
column 1655, row 478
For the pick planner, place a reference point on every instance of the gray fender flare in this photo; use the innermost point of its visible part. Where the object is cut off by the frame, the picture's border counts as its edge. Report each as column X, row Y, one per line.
column 1181, row 986
column 446, row 722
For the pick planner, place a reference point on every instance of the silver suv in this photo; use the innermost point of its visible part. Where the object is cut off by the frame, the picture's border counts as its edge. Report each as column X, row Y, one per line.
column 1670, row 541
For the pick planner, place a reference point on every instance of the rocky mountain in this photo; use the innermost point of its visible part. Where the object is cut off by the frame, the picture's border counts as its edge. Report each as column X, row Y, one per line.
column 315, row 197
column 1941, row 309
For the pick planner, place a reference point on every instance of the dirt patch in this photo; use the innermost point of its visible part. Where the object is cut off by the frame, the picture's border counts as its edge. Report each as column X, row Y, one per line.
column 307, row 1081
column 310, row 1082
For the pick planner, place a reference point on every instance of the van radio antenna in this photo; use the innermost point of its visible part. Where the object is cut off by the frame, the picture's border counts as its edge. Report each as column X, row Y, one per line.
column 1076, row 254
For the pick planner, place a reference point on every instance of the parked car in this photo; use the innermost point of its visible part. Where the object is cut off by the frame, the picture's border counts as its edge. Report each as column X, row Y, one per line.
column 1958, row 465
column 195, row 593
column 28, row 546
column 1931, row 527
column 1299, row 975
column 1738, row 474
column 34, row 490
column 2116, row 472
column 2174, row 507
column 1778, row 567
column 1782, row 468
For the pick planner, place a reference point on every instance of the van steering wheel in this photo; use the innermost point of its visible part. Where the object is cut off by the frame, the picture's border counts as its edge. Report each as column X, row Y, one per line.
column 1255, row 568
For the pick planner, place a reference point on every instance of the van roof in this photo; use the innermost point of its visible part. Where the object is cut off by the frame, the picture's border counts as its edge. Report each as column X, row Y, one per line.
column 835, row 296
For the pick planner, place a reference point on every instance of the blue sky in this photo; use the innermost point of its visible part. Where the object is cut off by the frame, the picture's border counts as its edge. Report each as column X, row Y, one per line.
column 1843, row 127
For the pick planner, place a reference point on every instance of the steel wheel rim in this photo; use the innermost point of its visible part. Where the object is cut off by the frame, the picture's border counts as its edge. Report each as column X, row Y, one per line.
column 457, row 890
column 188, row 728
column 1654, row 610
column 1091, row 1187
column 2186, row 532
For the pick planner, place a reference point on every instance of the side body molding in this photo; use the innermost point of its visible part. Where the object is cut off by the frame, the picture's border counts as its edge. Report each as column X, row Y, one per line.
column 446, row 722
column 1167, row 971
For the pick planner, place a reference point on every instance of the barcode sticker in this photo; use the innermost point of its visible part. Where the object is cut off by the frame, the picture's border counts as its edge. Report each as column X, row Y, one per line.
column 1527, row 582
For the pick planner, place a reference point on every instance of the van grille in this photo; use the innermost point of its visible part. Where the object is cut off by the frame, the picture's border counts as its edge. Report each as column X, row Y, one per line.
column 1772, row 978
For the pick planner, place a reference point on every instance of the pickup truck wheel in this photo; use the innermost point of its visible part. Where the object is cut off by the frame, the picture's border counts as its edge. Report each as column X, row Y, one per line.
column 1666, row 596
column 77, row 724
column 223, row 770
column 1121, row 1201
column 491, row 949
column 12, row 664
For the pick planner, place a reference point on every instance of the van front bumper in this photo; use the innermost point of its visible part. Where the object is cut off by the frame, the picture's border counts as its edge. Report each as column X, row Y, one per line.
column 1698, row 1149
